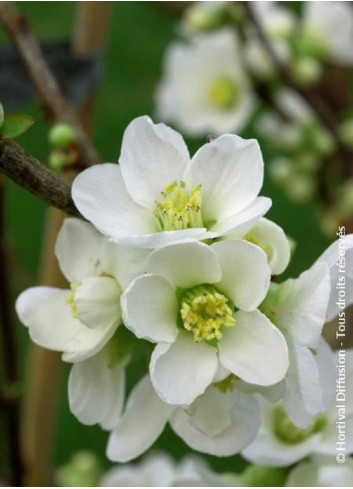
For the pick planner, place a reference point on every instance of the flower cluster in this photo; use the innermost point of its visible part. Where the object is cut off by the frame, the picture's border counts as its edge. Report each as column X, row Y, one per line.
column 178, row 262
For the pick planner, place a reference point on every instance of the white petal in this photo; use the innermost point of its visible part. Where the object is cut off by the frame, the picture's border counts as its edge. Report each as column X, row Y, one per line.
column 186, row 264
column 275, row 241
column 150, row 308
column 96, row 389
column 230, row 170
column 141, row 424
column 97, row 302
column 51, row 325
column 245, row 421
column 339, row 250
column 125, row 264
column 100, row 195
column 152, row 156
column 244, row 219
column 245, row 272
column 182, row 371
column 29, row 300
column 302, row 311
column 303, row 396
column 78, row 248
column 254, row 349
column 159, row 239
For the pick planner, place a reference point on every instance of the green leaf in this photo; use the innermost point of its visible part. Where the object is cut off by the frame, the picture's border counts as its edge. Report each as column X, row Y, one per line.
column 15, row 125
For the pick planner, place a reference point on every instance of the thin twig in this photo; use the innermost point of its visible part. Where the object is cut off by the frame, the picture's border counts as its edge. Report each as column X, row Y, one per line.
column 318, row 106
column 18, row 29
column 9, row 353
column 32, row 175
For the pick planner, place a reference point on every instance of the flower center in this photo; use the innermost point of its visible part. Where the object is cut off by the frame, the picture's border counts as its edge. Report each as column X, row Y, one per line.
column 204, row 311
column 286, row 430
column 71, row 300
column 179, row 208
column 223, row 93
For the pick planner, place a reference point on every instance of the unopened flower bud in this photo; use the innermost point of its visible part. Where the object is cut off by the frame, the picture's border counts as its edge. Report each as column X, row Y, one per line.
column 312, row 43
column 306, row 70
column 204, row 17
column 57, row 160
column 62, row 135
column 281, row 169
column 300, row 188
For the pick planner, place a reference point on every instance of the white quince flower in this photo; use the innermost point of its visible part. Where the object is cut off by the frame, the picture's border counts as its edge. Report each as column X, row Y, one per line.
column 321, row 472
column 160, row 470
column 221, row 422
column 157, row 195
column 339, row 258
column 329, row 25
column 205, row 89
column 186, row 302
column 81, row 321
column 280, row 442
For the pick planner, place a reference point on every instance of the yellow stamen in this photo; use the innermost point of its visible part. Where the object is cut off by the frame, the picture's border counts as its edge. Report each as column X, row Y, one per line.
column 225, row 385
column 251, row 238
column 71, row 300
column 204, row 311
column 223, row 93
column 179, row 208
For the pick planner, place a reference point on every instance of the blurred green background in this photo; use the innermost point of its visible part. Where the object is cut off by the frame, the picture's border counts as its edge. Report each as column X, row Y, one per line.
column 139, row 33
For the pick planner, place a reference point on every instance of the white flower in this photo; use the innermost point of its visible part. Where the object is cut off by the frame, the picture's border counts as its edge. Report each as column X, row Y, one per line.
column 280, row 442
column 205, row 89
column 160, row 470
column 339, row 258
column 221, row 422
column 185, row 303
column 330, row 25
column 321, row 472
column 157, row 195
column 81, row 321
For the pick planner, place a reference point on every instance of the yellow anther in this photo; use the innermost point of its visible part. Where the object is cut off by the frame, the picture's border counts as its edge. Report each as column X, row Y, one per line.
column 179, row 208
column 223, row 93
column 204, row 312
column 71, row 299
column 226, row 384
column 251, row 238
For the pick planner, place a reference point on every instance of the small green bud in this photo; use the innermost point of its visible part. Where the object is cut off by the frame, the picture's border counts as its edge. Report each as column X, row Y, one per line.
column 281, row 169
column 323, row 141
column 308, row 161
column 329, row 223
column 312, row 43
column 306, row 71
column 62, row 135
column 82, row 470
column 2, row 115
column 57, row 160
column 259, row 476
column 300, row 187
column 345, row 199
column 204, row 17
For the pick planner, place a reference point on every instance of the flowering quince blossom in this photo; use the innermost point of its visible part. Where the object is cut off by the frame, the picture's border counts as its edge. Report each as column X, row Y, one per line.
column 204, row 88
column 81, row 321
column 280, row 442
column 221, row 422
column 321, row 472
column 160, row 470
column 199, row 304
column 157, row 195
